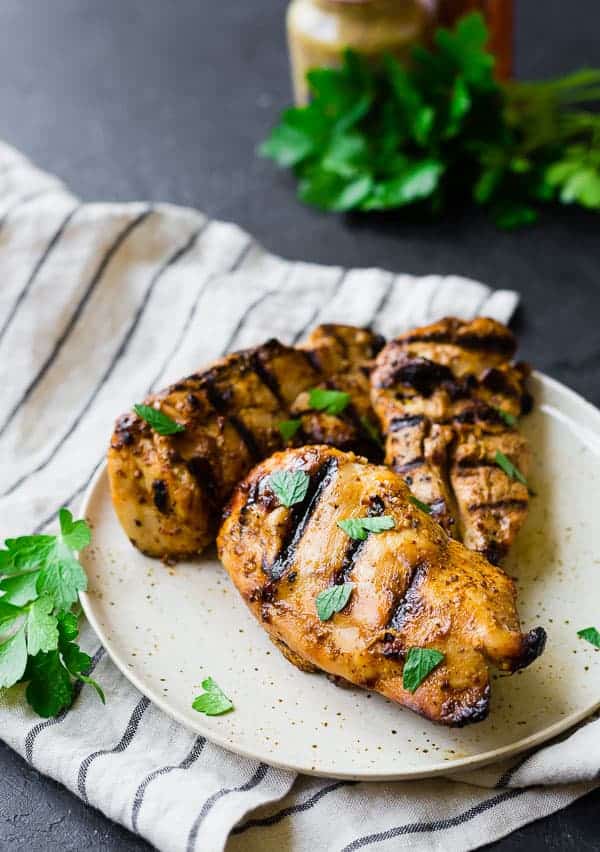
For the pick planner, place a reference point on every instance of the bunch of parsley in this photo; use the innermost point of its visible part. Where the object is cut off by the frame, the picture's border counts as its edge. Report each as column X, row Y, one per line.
column 40, row 579
column 441, row 131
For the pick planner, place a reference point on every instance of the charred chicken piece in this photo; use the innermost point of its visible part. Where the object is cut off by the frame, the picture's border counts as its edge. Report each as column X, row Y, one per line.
column 443, row 395
column 168, row 491
column 414, row 587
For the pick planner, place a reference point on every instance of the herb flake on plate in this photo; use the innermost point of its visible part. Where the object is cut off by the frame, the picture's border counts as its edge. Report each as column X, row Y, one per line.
column 158, row 420
column 329, row 401
column 420, row 662
column 333, row 600
column 290, row 487
column 591, row 635
column 358, row 528
column 213, row 701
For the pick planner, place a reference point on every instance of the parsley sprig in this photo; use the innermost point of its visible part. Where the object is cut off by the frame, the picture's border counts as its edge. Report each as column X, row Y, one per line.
column 40, row 579
column 442, row 131
column 213, row 701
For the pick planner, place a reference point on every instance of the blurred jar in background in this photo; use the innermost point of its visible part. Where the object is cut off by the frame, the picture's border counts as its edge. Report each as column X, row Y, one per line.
column 320, row 30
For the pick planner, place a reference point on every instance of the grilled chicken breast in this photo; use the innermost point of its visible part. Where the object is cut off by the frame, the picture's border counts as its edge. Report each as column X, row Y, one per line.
column 168, row 491
column 443, row 395
column 414, row 587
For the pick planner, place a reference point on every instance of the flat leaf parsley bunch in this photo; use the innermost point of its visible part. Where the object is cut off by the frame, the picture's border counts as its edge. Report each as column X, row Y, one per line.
column 442, row 131
column 40, row 579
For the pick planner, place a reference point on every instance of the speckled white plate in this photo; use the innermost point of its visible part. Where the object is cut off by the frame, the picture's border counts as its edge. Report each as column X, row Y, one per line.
column 168, row 628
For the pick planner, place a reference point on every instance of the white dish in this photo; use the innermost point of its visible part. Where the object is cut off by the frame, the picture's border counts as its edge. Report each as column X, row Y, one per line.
column 168, row 628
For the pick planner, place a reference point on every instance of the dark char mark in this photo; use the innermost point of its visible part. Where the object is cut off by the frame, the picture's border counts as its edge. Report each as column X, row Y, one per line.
column 300, row 515
column 418, row 373
column 499, row 504
column 354, row 547
column 409, row 603
column 411, row 465
column 458, row 715
column 398, row 423
column 246, row 436
column 200, row 468
column 262, row 371
column 501, row 343
column 160, row 494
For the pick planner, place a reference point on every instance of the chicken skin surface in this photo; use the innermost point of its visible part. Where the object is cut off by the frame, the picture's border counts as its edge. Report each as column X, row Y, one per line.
column 447, row 397
column 168, row 491
column 413, row 585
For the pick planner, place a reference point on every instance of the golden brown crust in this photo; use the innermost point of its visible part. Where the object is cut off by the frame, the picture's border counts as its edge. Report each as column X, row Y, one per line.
column 414, row 586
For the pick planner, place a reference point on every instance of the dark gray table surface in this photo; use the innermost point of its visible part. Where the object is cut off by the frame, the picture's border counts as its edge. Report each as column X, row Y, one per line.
column 147, row 99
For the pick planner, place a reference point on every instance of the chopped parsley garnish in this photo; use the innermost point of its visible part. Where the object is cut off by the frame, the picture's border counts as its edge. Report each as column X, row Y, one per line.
column 329, row 401
column 371, row 430
column 358, row 528
column 333, row 600
column 508, row 418
column 509, row 468
column 289, row 486
column 420, row 662
column 424, row 507
column 158, row 420
column 288, row 428
column 591, row 635
column 213, row 701
column 40, row 579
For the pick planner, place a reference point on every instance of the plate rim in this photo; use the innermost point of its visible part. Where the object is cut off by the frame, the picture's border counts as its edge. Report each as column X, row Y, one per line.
column 447, row 767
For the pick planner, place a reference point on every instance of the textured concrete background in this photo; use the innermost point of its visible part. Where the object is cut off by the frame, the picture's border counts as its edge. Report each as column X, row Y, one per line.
column 147, row 99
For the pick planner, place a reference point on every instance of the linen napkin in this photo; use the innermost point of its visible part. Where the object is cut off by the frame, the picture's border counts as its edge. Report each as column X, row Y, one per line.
column 100, row 303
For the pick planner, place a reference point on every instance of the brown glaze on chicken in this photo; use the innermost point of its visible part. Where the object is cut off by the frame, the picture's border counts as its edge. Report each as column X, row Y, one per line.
column 414, row 586
column 168, row 491
column 439, row 392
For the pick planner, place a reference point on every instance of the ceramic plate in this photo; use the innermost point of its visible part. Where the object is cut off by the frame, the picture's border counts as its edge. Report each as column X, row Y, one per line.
column 168, row 628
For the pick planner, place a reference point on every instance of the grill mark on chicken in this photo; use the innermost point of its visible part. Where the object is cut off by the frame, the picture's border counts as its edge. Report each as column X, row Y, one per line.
column 265, row 375
column 160, row 495
column 498, row 343
column 411, row 465
column 410, row 602
column 467, row 715
column 300, row 515
column 354, row 547
column 200, row 468
column 421, row 374
column 399, row 423
column 246, row 436
column 498, row 505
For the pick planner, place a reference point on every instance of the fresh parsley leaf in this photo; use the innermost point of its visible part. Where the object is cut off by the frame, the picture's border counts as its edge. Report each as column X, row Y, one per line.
column 371, row 430
column 357, row 528
column 9, row 615
column 42, row 626
column 50, row 689
column 508, row 418
column 213, row 701
column 289, row 486
column 288, row 428
column 416, row 182
column 76, row 534
column 330, row 401
column 20, row 590
column 160, row 422
column 420, row 662
column 424, row 507
column 39, row 581
column 13, row 658
column 509, row 468
column 591, row 635
column 332, row 600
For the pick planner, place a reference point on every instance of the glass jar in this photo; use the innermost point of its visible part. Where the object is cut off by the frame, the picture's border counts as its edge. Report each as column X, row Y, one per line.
column 319, row 31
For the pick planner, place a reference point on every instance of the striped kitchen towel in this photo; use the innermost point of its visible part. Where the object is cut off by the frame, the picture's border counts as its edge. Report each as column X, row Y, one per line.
column 100, row 303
